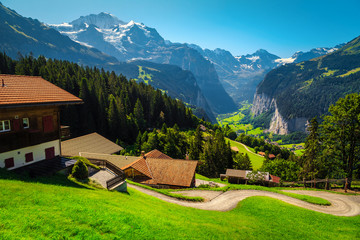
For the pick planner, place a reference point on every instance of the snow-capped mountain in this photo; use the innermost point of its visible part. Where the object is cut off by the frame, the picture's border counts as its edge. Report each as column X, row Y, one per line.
column 135, row 41
column 241, row 74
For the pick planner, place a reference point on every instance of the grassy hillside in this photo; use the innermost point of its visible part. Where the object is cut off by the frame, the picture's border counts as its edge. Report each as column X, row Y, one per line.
column 307, row 89
column 60, row 209
column 234, row 121
column 255, row 159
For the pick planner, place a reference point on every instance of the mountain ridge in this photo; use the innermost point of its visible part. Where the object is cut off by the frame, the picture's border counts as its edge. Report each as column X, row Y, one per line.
column 136, row 41
column 297, row 92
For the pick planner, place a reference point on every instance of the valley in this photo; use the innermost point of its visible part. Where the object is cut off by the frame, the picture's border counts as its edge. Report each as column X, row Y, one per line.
column 179, row 120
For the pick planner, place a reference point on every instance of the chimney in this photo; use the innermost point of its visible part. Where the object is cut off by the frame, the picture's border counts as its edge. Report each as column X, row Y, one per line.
column 3, row 84
column 142, row 153
column 187, row 156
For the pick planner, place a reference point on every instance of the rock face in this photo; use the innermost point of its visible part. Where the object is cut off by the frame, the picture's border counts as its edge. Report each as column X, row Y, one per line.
column 278, row 124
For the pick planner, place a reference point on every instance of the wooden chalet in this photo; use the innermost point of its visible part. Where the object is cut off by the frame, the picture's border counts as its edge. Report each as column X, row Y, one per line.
column 156, row 169
column 30, row 120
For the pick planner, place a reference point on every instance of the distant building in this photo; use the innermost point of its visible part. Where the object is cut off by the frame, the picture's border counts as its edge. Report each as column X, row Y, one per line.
column 237, row 176
column 262, row 154
column 30, row 120
column 271, row 156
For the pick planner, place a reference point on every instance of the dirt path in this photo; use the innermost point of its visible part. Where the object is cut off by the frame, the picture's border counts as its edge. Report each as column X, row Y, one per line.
column 341, row 205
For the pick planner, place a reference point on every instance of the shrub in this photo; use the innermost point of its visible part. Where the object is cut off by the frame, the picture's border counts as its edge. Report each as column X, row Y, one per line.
column 86, row 161
column 80, row 170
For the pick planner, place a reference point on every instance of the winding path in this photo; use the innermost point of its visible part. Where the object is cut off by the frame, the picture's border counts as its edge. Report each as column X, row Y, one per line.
column 341, row 205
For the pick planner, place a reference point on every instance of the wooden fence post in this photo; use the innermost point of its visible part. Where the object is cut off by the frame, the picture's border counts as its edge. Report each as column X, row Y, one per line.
column 304, row 182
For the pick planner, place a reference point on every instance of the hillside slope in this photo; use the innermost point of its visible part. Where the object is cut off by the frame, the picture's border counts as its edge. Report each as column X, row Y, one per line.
column 58, row 208
column 298, row 92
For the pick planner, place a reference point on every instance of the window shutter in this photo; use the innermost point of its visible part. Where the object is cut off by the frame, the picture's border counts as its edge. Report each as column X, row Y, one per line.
column 49, row 153
column 16, row 124
column 48, row 124
column 9, row 163
column 29, row 157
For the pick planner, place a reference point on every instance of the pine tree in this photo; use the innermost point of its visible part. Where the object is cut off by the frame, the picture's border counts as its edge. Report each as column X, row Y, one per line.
column 312, row 147
column 139, row 115
column 196, row 145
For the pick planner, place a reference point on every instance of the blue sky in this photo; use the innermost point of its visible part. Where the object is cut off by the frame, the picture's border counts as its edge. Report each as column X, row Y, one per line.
column 280, row 26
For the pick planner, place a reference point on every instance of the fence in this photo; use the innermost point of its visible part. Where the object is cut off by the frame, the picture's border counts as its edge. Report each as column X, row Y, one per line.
column 105, row 164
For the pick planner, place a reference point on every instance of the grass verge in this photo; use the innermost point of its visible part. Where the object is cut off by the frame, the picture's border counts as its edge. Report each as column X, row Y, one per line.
column 306, row 198
column 168, row 192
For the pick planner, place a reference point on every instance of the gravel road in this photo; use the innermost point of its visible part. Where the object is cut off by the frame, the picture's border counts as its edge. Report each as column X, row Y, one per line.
column 341, row 205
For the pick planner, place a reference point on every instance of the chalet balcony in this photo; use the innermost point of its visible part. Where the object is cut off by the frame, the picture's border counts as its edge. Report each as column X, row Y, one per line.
column 15, row 140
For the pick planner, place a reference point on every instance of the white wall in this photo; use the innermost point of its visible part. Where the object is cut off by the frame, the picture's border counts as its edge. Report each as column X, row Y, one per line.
column 37, row 150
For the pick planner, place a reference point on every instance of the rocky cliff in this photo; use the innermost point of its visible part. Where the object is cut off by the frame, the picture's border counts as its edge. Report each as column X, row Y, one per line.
column 278, row 124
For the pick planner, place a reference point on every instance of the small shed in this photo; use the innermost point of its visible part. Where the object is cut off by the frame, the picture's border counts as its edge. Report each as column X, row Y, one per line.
column 235, row 175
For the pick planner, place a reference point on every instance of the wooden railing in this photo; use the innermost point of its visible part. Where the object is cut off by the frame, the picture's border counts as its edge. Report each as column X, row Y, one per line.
column 106, row 164
column 114, row 181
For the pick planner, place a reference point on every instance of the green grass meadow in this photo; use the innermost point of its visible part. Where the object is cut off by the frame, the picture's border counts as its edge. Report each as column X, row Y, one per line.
column 64, row 210
column 255, row 159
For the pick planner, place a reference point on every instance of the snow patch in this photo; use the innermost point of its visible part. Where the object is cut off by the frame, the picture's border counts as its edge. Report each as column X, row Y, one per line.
column 61, row 25
column 253, row 58
column 285, row 60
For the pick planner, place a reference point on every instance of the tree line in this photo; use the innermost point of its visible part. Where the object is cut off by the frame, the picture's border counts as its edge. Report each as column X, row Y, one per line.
column 113, row 106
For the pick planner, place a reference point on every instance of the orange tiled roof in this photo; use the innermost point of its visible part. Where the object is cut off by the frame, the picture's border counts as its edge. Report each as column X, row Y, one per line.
column 275, row 179
column 165, row 170
column 271, row 156
column 26, row 90
column 157, row 154
column 177, row 172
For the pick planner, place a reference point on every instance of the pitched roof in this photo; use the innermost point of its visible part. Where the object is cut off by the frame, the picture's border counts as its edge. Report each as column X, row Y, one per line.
column 271, row 156
column 118, row 160
column 93, row 142
column 275, row 179
column 236, row 173
column 157, row 154
column 141, row 166
column 29, row 90
column 176, row 172
column 165, row 170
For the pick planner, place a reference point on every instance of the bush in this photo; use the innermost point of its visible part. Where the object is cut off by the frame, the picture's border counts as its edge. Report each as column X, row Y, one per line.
column 86, row 161
column 80, row 170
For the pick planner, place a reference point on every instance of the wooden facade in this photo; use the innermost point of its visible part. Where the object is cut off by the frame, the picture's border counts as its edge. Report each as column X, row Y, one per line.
column 42, row 126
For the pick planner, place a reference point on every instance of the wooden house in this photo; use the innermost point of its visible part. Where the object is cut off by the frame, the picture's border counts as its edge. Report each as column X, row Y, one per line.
column 30, row 119
column 156, row 169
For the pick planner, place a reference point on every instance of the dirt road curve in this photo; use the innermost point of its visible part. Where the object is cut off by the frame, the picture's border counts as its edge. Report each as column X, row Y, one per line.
column 341, row 205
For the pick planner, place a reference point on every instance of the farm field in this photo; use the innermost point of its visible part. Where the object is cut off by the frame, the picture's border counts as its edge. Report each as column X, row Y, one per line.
column 255, row 159
column 58, row 208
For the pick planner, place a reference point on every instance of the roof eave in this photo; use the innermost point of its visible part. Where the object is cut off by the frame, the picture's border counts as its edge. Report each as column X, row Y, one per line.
column 41, row 104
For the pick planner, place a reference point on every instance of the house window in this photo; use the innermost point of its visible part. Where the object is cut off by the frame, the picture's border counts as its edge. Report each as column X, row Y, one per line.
column 29, row 157
column 48, row 124
column 25, row 123
column 5, row 126
column 9, row 163
column 49, row 153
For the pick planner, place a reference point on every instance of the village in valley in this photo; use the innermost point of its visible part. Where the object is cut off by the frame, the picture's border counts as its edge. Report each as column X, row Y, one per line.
column 109, row 131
